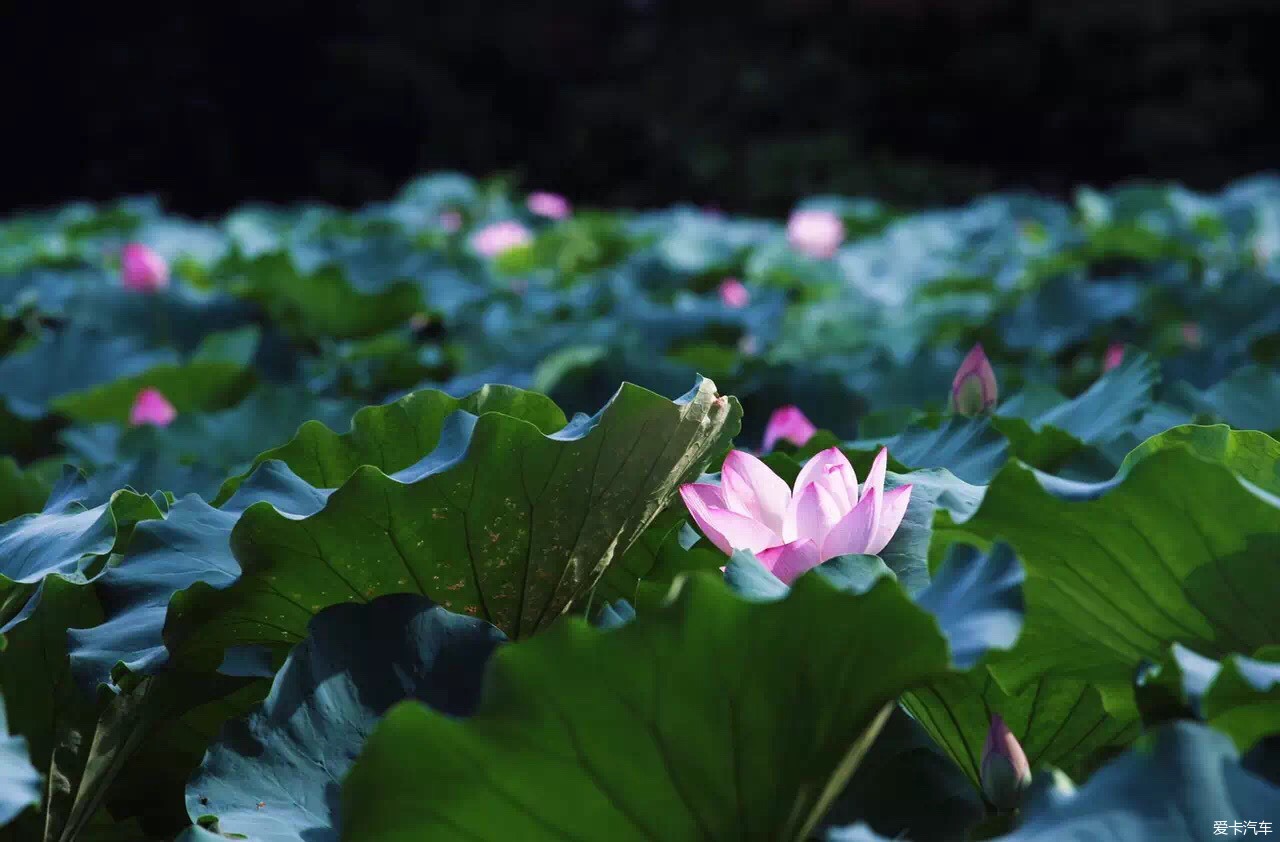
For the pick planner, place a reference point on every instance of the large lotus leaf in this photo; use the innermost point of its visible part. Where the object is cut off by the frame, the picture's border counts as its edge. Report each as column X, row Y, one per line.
column 19, row 781
column 322, row 303
column 1249, row 398
column 22, row 490
column 44, row 705
column 1065, row 311
column 273, row 777
column 501, row 521
column 64, row 362
column 970, row 448
column 177, row 316
column 191, row 544
column 975, row 597
column 217, row 375
column 978, row 601
column 42, row 291
column 1175, row 789
column 974, row 449
column 197, row 451
column 1059, row 722
column 710, row 718
column 395, row 436
column 1118, row 571
column 910, row 553
column 1251, row 455
column 1101, row 412
column 67, row 532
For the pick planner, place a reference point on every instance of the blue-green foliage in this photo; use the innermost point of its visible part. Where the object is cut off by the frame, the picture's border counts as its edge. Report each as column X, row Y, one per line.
column 236, row 600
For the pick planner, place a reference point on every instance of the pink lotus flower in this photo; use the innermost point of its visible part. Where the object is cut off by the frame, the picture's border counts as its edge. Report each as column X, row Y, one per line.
column 734, row 294
column 1192, row 336
column 142, row 269
column 973, row 390
column 1115, row 356
column 549, row 205
column 499, row 237
column 1006, row 774
column 151, row 407
column 817, row 233
column 788, row 423
column 793, row 531
column 450, row 221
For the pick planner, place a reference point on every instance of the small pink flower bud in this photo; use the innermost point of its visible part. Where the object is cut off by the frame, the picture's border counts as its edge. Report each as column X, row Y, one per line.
column 734, row 294
column 549, row 205
column 788, row 423
column 142, row 269
column 973, row 390
column 816, row 233
column 1115, row 356
column 498, row 237
column 1192, row 336
column 1006, row 774
column 151, row 407
column 450, row 221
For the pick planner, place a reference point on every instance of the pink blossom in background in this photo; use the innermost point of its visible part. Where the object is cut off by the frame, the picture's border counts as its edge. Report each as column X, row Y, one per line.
column 498, row 237
column 1005, row 772
column 151, row 407
column 549, row 205
column 973, row 390
column 791, row 530
column 142, row 269
column 787, row 423
column 1115, row 356
column 734, row 294
column 450, row 221
column 1192, row 336
column 816, row 233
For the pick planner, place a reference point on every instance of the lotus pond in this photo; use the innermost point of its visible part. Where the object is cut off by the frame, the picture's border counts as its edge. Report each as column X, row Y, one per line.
column 479, row 515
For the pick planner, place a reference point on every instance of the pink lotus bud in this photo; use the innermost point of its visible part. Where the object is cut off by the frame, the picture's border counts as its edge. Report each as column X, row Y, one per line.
column 817, row 233
column 142, row 269
column 1006, row 774
column 788, row 423
column 549, row 205
column 450, row 221
column 1115, row 356
column 734, row 294
column 973, row 390
column 499, row 237
column 1192, row 336
column 151, row 407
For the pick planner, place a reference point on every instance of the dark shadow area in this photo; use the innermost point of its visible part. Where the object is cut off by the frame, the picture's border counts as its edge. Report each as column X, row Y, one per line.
column 635, row 102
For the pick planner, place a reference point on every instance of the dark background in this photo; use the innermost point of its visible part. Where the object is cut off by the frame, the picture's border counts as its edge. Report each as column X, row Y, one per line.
column 746, row 105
